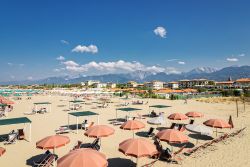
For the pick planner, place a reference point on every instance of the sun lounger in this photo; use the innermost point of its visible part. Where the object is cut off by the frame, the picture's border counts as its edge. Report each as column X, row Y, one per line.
column 11, row 139
column 78, row 145
column 46, row 161
column 2, row 114
column 62, row 129
column 30, row 113
column 150, row 132
column 140, row 116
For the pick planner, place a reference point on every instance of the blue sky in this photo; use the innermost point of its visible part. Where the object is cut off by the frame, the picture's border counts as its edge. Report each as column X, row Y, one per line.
column 98, row 37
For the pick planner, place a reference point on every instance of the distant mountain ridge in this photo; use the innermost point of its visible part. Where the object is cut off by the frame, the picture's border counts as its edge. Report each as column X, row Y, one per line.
column 143, row 76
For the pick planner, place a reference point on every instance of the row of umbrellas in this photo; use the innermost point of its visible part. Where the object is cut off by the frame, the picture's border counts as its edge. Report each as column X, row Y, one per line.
column 135, row 147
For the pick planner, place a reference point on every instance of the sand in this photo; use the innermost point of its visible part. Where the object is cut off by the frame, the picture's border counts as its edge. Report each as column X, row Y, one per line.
column 235, row 152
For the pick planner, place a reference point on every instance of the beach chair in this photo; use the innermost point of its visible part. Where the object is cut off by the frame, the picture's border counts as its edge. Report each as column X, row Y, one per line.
column 85, row 124
column 47, row 161
column 43, row 158
column 175, row 157
column 191, row 121
column 21, row 135
column 2, row 114
column 30, row 113
column 150, row 132
column 11, row 139
column 181, row 128
column 95, row 145
column 78, row 145
column 172, row 126
column 62, row 129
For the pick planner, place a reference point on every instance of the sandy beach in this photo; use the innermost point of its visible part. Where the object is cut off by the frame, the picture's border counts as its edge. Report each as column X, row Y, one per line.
column 234, row 152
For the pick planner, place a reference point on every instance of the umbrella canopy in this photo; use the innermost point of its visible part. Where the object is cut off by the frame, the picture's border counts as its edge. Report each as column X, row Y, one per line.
column 99, row 131
column 194, row 114
column 177, row 116
column 52, row 142
column 199, row 129
column 132, row 125
column 217, row 123
column 137, row 148
column 172, row 136
column 83, row 157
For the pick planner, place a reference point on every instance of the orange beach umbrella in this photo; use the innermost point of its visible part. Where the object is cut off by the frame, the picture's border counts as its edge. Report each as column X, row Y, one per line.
column 132, row 125
column 194, row 114
column 217, row 123
column 52, row 142
column 137, row 148
column 99, row 131
column 172, row 136
column 83, row 157
column 177, row 116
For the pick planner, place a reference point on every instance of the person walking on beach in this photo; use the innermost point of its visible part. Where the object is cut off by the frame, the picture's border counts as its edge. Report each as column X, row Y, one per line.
column 185, row 101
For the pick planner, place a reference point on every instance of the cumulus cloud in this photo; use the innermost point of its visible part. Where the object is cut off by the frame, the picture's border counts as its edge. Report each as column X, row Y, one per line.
column 64, row 42
column 120, row 66
column 60, row 58
column 181, row 62
column 160, row 31
column 172, row 70
column 232, row 59
column 85, row 49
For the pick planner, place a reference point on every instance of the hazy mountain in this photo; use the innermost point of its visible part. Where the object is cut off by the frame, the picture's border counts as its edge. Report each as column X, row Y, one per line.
column 201, row 70
column 142, row 76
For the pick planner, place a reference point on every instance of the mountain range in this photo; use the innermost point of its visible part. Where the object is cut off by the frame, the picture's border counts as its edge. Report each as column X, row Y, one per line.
column 143, row 76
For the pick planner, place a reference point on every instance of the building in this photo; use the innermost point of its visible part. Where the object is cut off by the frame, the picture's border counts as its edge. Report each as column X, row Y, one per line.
column 111, row 85
column 172, row 85
column 193, row 83
column 90, row 82
column 224, row 84
column 154, row 85
column 168, row 92
column 99, row 85
column 243, row 82
column 132, row 84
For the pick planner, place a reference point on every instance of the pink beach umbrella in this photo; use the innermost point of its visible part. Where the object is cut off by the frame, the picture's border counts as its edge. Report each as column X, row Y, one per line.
column 194, row 114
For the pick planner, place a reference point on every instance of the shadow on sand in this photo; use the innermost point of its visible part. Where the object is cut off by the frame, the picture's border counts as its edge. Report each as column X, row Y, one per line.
column 115, row 162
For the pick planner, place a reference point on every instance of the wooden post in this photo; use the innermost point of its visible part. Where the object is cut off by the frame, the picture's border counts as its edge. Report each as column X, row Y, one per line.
column 237, row 108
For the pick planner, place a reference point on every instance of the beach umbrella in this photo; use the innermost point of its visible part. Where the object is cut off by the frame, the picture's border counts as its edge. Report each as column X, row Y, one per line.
column 99, row 131
column 132, row 125
column 177, row 116
column 194, row 114
column 52, row 142
column 2, row 151
column 137, row 148
column 172, row 136
column 83, row 157
column 230, row 122
column 217, row 123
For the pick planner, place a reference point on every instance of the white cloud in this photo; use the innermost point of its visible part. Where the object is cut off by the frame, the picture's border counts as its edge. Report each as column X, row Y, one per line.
column 87, row 49
column 232, row 59
column 172, row 60
column 30, row 78
column 181, row 62
column 120, row 66
column 70, row 63
column 160, row 31
column 60, row 58
column 10, row 64
column 241, row 55
column 64, row 42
